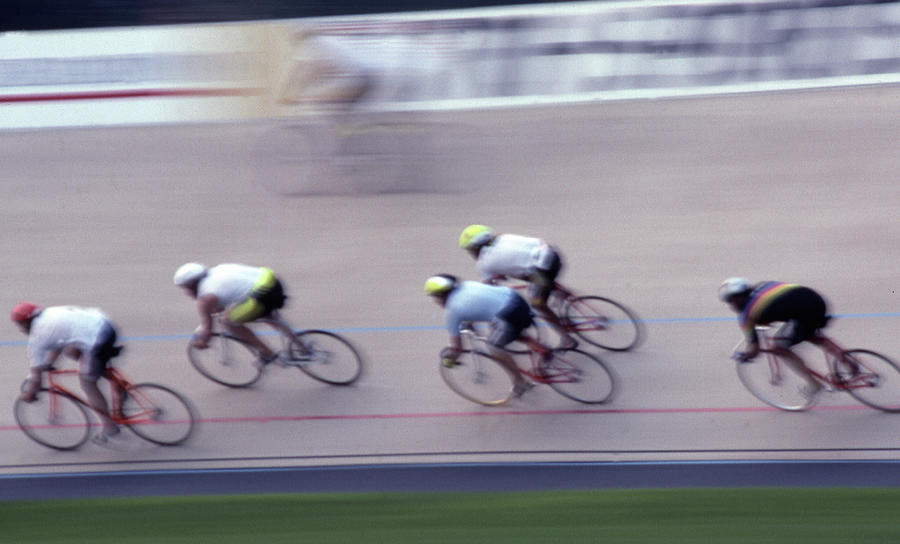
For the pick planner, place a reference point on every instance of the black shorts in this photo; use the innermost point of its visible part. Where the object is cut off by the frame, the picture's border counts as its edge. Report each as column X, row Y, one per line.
column 803, row 312
column 509, row 323
column 543, row 280
column 101, row 353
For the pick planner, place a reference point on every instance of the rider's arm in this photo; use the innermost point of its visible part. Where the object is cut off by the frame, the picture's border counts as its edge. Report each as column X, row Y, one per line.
column 207, row 306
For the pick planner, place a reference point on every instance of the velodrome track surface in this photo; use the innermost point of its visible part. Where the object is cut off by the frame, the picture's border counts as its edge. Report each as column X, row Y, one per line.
column 652, row 202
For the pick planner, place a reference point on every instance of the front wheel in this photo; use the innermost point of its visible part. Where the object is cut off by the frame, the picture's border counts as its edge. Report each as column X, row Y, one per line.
column 603, row 322
column 771, row 377
column 480, row 378
column 579, row 376
column 228, row 361
column 871, row 378
column 326, row 357
column 55, row 420
column 158, row 414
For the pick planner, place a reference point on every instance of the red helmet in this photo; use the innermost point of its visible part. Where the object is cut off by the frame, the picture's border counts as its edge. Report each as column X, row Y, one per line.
column 25, row 311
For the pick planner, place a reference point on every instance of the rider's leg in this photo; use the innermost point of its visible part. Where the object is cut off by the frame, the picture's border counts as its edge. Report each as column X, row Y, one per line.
column 98, row 403
column 790, row 334
column 244, row 333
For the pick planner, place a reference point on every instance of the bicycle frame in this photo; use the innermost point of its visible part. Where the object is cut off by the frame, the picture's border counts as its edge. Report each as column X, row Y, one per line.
column 832, row 352
column 115, row 376
column 538, row 356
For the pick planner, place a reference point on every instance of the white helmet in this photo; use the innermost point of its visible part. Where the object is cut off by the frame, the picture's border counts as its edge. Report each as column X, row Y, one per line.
column 189, row 273
column 732, row 287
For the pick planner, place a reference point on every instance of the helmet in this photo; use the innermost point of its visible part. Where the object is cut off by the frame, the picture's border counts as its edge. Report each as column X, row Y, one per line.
column 440, row 284
column 475, row 236
column 25, row 311
column 189, row 273
column 732, row 287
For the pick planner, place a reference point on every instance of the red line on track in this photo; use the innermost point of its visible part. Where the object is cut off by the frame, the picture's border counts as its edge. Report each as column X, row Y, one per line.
column 497, row 413
column 501, row 413
column 125, row 93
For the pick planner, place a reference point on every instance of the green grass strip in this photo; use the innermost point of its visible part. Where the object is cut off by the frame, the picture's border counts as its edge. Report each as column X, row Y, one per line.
column 671, row 516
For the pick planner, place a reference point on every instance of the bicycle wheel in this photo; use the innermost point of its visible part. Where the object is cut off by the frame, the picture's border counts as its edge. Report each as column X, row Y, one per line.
column 871, row 378
column 55, row 420
column 480, row 378
column 579, row 376
column 603, row 322
column 227, row 361
column 158, row 414
column 775, row 382
column 326, row 357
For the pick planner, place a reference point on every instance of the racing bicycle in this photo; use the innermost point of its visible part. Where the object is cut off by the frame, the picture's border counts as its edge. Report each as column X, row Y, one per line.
column 868, row 376
column 479, row 377
column 59, row 417
column 322, row 355
column 600, row 321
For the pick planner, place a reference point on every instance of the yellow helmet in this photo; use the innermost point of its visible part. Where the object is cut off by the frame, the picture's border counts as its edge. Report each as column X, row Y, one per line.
column 475, row 236
column 439, row 284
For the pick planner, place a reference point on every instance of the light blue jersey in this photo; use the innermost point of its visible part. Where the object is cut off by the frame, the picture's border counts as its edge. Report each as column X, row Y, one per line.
column 474, row 301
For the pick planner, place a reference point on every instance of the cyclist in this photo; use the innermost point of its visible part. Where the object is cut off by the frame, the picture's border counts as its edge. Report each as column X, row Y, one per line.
column 521, row 257
column 470, row 301
column 802, row 310
column 83, row 334
column 239, row 292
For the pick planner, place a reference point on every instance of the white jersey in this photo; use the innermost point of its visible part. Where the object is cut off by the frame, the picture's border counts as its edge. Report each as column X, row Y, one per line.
column 230, row 283
column 474, row 301
column 513, row 255
column 58, row 327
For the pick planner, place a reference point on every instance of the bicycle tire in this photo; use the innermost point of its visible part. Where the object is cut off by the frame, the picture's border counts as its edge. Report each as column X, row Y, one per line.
column 878, row 386
column 158, row 414
column 327, row 357
column 66, row 429
column 580, row 376
column 603, row 322
column 775, row 382
column 228, row 361
column 479, row 378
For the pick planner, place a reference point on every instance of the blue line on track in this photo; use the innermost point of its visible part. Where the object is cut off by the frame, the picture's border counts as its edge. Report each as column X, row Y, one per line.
column 428, row 328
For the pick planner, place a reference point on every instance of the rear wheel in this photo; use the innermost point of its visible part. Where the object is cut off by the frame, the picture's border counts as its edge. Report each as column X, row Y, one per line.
column 326, row 357
column 227, row 361
column 158, row 414
column 771, row 378
column 579, row 376
column 871, row 378
column 55, row 420
column 603, row 322
column 480, row 378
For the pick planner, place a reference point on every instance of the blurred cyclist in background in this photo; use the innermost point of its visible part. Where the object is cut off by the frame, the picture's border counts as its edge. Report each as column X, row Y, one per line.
column 531, row 259
column 239, row 292
column 83, row 334
column 802, row 310
column 471, row 301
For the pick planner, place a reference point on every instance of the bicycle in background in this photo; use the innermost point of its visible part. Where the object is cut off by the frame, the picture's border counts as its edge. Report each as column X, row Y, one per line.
column 60, row 419
column 600, row 321
column 479, row 377
column 868, row 376
column 321, row 355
